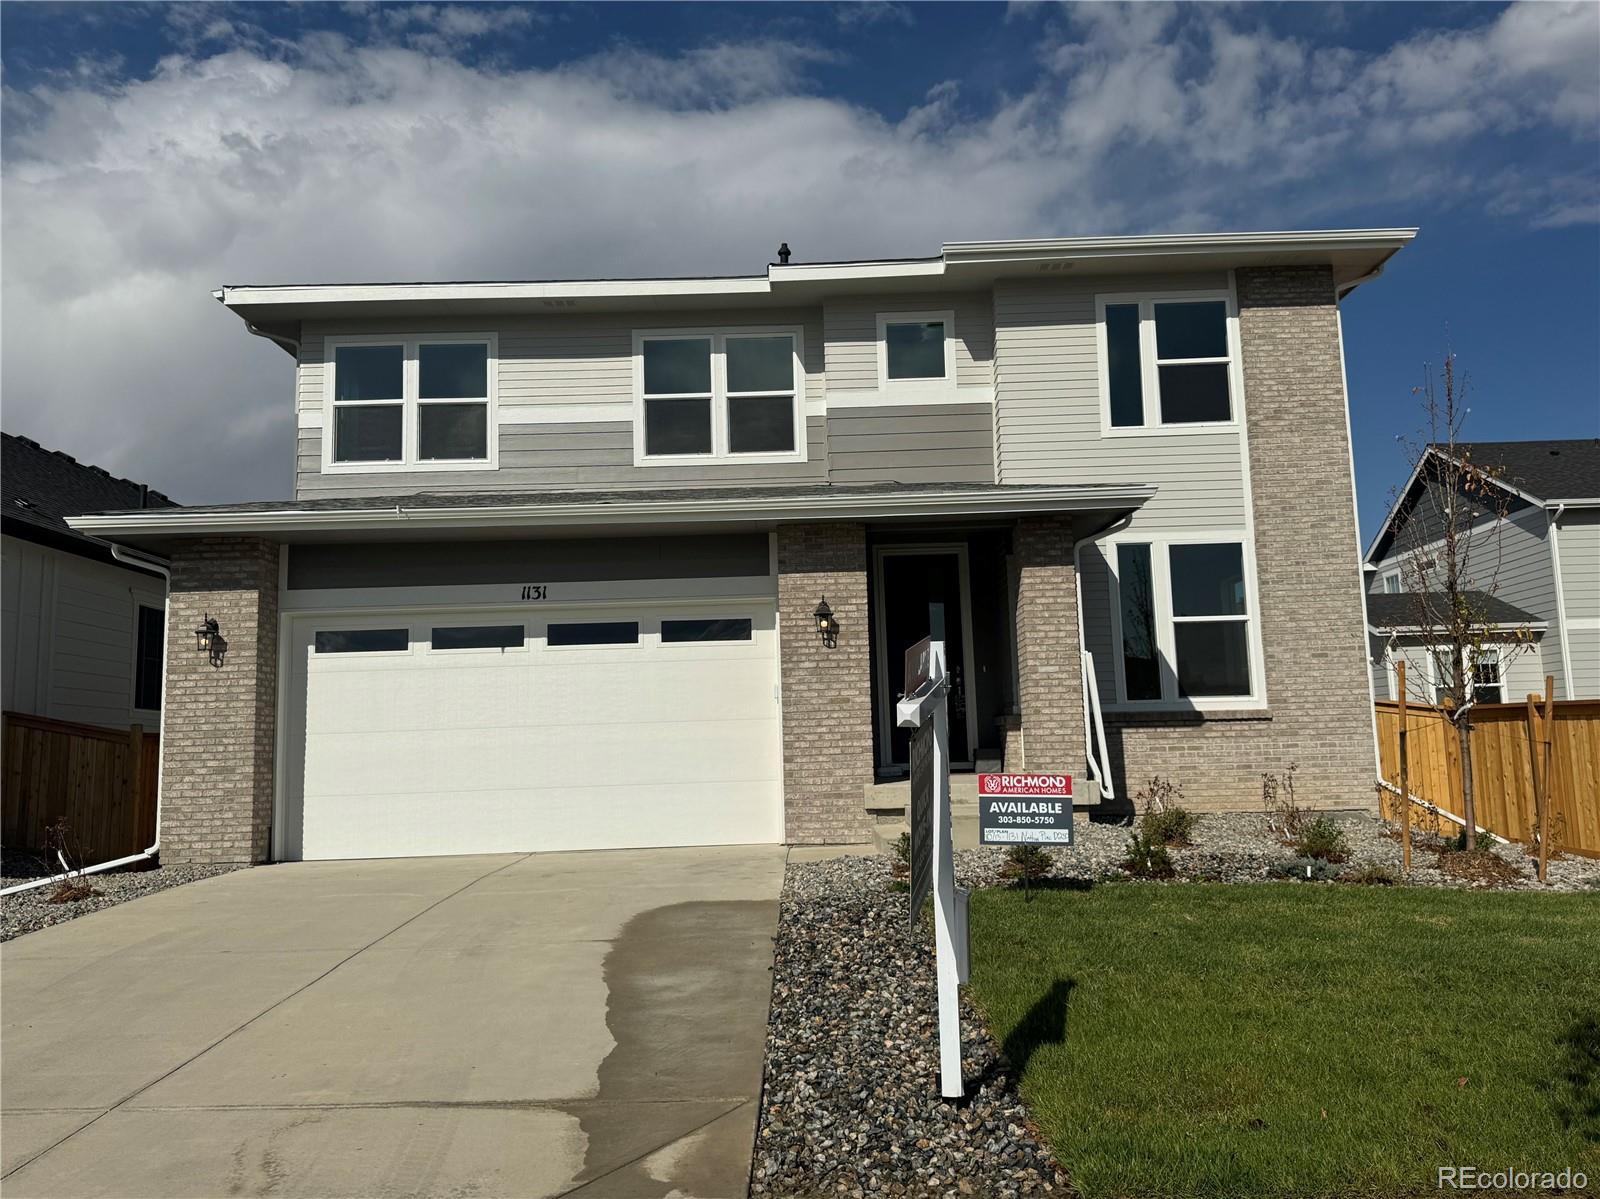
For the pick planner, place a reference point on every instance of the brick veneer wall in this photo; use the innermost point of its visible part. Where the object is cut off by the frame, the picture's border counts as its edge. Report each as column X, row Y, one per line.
column 827, row 693
column 1050, row 671
column 1307, row 568
column 221, row 721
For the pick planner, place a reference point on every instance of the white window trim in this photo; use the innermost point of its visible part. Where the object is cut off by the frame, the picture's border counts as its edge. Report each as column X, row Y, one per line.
column 1385, row 579
column 1439, row 650
column 410, row 403
column 943, row 384
column 1150, row 376
column 1166, row 641
column 719, row 395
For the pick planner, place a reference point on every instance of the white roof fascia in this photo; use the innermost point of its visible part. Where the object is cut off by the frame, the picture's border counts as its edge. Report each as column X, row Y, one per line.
column 356, row 293
column 1417, row 630
column 1591, row 503
column 748, row 509
column 1196, row 243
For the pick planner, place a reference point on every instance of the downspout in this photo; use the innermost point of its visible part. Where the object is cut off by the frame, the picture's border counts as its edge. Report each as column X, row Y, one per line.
column 139, row 561
column 1107, row 788
column 1553, row 519
column 292, row 344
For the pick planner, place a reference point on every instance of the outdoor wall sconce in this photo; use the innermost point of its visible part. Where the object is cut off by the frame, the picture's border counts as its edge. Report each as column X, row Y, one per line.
column 827, row 626
column 208, row 639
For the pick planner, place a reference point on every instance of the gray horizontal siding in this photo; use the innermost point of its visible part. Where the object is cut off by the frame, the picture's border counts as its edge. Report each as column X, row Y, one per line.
column 928, row 443
column 851, row 328
column 1047, row 408
column 550, row 366
column 556, row 560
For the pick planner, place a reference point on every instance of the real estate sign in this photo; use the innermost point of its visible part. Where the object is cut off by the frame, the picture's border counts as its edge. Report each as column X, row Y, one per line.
column 921, row 818
column 1025, row 809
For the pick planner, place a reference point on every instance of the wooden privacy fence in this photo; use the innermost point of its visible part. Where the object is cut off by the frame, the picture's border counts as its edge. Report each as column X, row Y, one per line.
column 1501, row 770
column 101, row 781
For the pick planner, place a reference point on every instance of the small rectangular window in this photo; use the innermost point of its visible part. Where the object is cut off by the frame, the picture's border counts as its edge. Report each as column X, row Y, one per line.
column 147, row 660
column 418, row 401
column 486, row 636
column 677, row 395
column 362, row 641
column 1391, row 584
column 914, row 349
column 723, row 629
column 1140, row 658
column 594, row 632
column 1487, row 687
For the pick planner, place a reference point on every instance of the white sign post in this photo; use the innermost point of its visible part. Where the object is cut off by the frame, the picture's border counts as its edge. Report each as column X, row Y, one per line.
column 929, row 704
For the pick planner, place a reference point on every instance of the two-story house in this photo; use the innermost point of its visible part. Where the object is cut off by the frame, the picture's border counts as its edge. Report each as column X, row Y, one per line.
column 1530, row 528
column 552, row 574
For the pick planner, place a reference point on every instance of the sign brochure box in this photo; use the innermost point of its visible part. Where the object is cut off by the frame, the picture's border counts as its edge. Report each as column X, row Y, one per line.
column 1025, row 809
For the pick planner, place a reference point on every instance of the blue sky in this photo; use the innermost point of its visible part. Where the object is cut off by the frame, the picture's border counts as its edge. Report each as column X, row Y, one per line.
column 154, row 152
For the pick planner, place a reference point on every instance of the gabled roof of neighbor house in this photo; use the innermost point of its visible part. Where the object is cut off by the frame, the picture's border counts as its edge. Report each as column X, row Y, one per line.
column 1391, row 612
column 1354, row 255
column 540, row 513
column 1544, row 473
column 41, row 488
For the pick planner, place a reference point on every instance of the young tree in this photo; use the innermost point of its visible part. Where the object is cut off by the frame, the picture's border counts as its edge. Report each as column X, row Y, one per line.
column 1449, row 551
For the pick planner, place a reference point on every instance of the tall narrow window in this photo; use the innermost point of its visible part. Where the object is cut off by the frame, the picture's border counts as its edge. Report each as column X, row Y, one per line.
column 760, row 394
column 677, row 396
column 1140, row 655
column 452, row 401
column 1210, row 621
column 369, row 403
column 147, row 660
column 1122, row 365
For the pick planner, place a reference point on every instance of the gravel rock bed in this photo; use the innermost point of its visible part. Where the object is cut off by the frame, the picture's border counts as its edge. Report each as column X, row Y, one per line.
column 850, row 1104
column 29, row 911
column 1235, row 847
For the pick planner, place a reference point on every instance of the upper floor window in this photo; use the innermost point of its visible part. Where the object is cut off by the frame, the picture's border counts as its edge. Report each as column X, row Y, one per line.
column 1391, row 583
column 916, row 347
column 708, row 395
column 150, row 636
column 421, row 402
column 1166, row 359
column 1184, row 623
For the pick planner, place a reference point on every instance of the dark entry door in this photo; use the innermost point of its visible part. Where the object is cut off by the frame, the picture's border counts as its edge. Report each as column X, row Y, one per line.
column 910, row 583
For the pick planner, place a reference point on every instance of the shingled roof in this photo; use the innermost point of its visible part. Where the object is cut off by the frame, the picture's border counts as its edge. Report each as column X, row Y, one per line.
column 40, row 487
column 1546, row 470
column 1399, row 609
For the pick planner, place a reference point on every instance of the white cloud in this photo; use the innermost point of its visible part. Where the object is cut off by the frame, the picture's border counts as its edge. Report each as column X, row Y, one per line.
column 127, row 201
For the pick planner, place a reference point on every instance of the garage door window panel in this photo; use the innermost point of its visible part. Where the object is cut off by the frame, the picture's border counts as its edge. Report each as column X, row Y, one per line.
column 698, row 630
column 477, row 637
column 414, row 403
column 592, row 633
column 363, row 641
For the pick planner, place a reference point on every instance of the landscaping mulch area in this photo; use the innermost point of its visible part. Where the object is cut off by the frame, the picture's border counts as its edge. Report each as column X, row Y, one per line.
column 29, row 911
column 851, row 1100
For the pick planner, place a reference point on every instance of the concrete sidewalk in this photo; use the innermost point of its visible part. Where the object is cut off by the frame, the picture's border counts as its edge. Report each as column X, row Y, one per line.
column 537, row 1025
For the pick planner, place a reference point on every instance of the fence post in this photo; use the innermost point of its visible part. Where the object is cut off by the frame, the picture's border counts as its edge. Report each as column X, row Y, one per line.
column 1534, row 756
column 1405, row 782
column 1548, row 727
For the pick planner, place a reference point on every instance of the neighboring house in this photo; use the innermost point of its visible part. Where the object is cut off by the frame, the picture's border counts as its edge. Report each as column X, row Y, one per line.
column 1536, row 548
column 551, row 574
column 82, row 631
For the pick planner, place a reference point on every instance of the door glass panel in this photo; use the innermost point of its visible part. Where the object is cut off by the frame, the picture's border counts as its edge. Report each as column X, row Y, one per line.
column 911, row 582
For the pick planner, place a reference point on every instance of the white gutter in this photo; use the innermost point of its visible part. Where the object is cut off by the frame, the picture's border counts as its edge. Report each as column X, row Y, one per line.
column 142, row 562
column 1553, row 522
column 741, row 509
column 289, row 343
column 1183, row 243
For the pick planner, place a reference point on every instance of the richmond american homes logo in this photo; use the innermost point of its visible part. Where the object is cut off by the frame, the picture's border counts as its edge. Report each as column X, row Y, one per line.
column 1016, row 809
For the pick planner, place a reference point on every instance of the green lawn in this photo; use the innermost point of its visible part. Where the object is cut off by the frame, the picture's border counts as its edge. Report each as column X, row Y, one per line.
column 1296, row 1039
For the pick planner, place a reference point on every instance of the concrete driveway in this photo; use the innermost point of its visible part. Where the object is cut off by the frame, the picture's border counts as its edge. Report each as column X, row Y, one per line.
column 584, row 1024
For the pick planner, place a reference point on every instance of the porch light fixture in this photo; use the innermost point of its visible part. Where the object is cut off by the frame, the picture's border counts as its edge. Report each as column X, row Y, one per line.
column 827, row 626
column 208, row 639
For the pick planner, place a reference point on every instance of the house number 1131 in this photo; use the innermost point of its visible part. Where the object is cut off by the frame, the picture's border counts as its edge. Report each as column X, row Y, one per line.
column 534, row 592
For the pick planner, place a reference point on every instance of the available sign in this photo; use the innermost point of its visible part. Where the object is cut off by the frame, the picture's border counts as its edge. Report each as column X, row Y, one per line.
column 1025, row 809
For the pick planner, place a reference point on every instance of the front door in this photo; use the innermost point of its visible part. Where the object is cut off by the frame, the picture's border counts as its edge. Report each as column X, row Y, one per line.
column 911, row 580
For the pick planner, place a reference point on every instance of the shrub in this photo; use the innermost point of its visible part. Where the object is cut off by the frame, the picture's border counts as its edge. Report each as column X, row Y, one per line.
column 1168, row 826
column 1026, row 864
column 1371, row 875
column 71, row 890
column 1282, row 810
column 1147, row 859
column 1324, row 839
column 1313, row 870
column 1158, row 795
column 902, row 856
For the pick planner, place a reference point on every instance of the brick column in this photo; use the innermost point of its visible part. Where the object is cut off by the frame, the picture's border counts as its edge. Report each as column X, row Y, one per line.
column 1050, row 671
column 1313, row 622
column 827, row 693
column 221, row 721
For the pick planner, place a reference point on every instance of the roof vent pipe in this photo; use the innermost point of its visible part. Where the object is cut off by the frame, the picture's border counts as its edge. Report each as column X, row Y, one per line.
column 783, row 254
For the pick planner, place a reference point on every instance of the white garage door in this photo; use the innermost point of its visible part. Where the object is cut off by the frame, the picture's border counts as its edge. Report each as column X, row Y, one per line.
column 586, row 728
